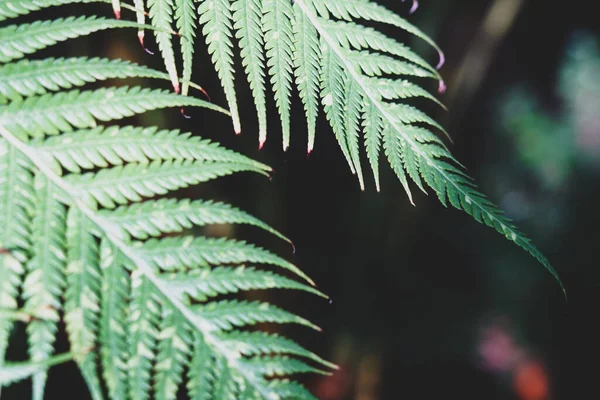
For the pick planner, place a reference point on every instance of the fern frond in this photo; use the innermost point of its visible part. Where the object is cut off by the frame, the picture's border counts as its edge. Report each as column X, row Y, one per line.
column 16, row 41
column 248, row 25
column 185, row 16
column 178, row 253
column 357, row 73
column 11, row 9
column 261, row 343
column 333, row 81
column 203, row 284
column 226, row 315
column 377, row 64
column 354, row 57
column 291, row 389
column 280, row 366
column 307, row 56
column 114, row 145
column 44, row 282
column 134, row 182
column 217, row 20
column 113, row 320
column 350, row 10
column 154, row 218
column 62, row 176
column 277, row 26
column 144, row 314
column 82, row 297
column 173, row 349
column 27, row 78
column 152, row 296
column 201, row 374
column 161, row 15
column 17, row 199
column 50, row 114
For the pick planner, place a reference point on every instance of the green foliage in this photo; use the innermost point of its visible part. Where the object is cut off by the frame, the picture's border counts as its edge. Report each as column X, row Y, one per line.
column 89, row 235
column 357, row 74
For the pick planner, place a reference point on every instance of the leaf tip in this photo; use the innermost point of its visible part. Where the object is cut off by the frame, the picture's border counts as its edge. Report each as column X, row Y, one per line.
column 117, row 8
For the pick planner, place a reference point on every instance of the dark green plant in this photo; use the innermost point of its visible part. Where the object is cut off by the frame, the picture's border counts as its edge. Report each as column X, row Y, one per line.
column 84, row 206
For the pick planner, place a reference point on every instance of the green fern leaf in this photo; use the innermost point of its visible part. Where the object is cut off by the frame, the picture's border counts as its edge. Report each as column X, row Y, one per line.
column 140, row 15
column 277, row 25
column 333, row 81
column 225, row 315
column 201, row 374
column 11, row 9
column 261, row 343
column 350, row 10
column 291, row 389
column 16, row 205
column 27, row 78
column 150, row 326
column 352, row 110
column 82, row 297
column 408, row 151
column 280, row 366
column 307, row 55
column 153, row 218
column 18, row 40
column 113, row 321
column 144, row 313
column 173, row 348
column 247, row 14
column 216, row 17
column 373, row 128
column 185, row 16
column 161, row 15
column 134, row 182
column 178, row 253
column 44, row 282
column 105, row 146
column 376, row 64
column 52, row 113
column 203, row 284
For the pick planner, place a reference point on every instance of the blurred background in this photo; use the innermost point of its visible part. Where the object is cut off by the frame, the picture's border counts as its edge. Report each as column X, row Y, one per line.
column 425, row 302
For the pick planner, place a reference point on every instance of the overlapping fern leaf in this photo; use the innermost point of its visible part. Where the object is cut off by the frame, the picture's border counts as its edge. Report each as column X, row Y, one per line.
column 355, row 73
column 89, row 235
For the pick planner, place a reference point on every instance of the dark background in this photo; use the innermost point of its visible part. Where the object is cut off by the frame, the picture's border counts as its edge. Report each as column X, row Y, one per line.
column 427, row 303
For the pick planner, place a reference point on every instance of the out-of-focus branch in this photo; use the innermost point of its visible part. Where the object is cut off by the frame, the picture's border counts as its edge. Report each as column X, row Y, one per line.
column 499, row 19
